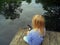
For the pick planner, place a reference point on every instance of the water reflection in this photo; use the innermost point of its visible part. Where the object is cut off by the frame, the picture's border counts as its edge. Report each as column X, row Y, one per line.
column 53, row 16
column 12, row 10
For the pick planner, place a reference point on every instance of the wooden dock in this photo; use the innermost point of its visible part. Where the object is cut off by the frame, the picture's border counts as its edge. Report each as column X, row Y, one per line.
column 51, row 38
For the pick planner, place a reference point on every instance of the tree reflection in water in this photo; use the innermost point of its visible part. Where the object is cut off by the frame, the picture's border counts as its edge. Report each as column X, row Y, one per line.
column 28, row 1
column 12, row 10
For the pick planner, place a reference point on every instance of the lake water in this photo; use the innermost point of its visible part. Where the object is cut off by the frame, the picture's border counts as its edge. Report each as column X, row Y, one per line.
column 8, row 27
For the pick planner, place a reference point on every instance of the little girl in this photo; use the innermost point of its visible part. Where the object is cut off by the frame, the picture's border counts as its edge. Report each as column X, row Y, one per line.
column 36, row 35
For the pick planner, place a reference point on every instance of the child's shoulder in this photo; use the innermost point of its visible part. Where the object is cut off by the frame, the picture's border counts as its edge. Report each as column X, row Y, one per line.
column 32, row 30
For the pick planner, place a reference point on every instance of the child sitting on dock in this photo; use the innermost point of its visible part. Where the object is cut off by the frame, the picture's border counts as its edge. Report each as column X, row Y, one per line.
column 36, row 35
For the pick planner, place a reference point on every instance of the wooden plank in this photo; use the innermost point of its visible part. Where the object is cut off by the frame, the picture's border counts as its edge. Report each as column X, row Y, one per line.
column 52, row 38
column 18, row 39
column 21, row 41
column 46, row 39
column 58, row 38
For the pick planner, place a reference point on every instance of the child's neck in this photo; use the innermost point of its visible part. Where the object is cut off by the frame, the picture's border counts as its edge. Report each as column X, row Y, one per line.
column 36, row 29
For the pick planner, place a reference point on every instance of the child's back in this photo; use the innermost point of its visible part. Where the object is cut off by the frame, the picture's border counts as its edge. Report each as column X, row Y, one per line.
column 36, row 37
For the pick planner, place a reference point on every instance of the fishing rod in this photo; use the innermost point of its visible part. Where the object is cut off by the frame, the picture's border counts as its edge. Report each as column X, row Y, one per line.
column 30, row 27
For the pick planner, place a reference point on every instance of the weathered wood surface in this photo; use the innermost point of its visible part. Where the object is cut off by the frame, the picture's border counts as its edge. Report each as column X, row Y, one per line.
column 51, row 38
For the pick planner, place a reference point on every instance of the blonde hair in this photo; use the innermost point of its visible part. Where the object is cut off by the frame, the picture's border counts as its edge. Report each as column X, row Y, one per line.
column 38, row 22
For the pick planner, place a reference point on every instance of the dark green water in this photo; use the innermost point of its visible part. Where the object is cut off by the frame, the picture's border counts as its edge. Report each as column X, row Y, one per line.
column 18, row 13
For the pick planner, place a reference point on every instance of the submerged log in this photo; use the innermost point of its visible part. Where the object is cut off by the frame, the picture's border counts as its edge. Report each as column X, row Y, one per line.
column 51, row 38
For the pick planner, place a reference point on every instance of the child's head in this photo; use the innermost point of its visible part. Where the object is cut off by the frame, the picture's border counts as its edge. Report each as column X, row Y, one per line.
column 38, row 22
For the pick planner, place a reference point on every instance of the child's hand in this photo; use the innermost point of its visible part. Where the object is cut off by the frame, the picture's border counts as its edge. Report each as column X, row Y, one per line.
column 28, row 32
